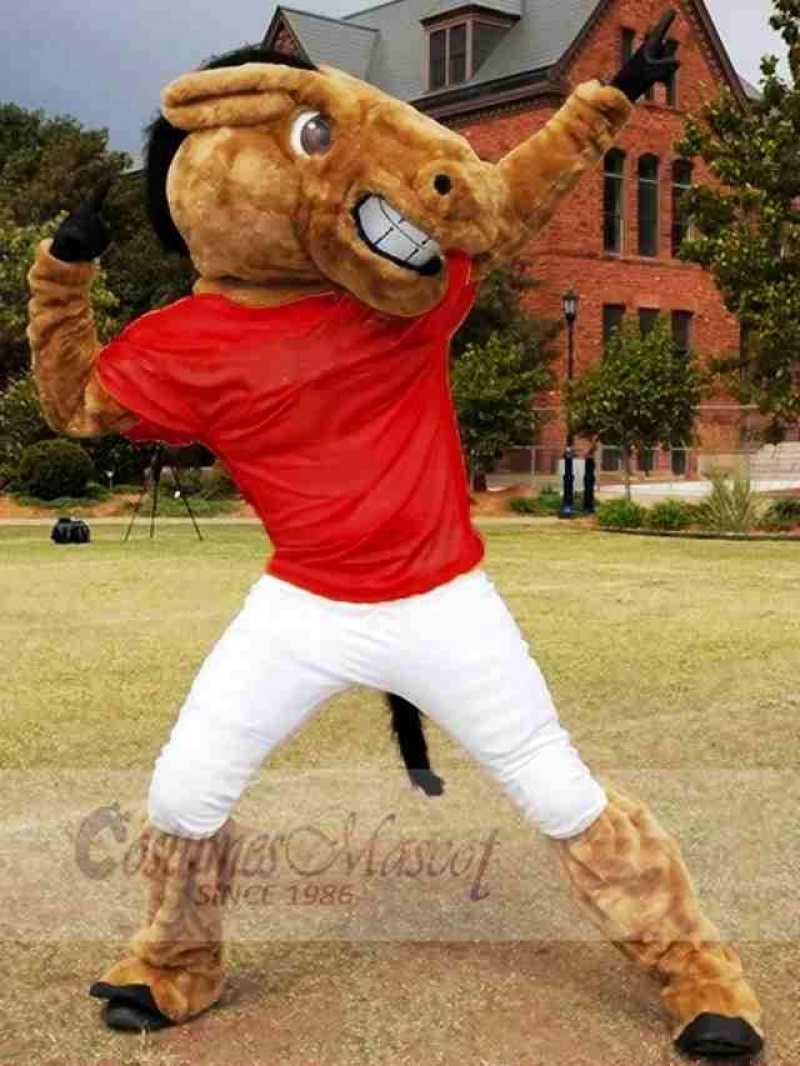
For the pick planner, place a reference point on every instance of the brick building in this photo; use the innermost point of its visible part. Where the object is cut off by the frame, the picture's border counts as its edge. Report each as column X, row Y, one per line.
column 496, row 71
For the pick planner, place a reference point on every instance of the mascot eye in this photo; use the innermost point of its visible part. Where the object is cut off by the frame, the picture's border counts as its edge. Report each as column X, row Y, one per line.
column 312, row 134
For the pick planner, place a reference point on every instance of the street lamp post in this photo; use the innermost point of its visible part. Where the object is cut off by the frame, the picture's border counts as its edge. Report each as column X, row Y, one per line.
column 567, row 509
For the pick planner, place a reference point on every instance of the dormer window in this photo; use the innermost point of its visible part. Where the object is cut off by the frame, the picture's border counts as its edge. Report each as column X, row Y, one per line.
column 485, row 35
column 448, row 56
column 437, row 73
column 459, row 43
column 457, row 67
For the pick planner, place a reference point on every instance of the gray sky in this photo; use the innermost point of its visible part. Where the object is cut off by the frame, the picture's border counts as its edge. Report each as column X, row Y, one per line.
column 105, row 62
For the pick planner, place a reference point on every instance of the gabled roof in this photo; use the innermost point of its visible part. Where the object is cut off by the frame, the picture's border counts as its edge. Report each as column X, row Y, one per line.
column 539, row 40
column 502, row 7
column 337, row 42
column 398, row 61
column 750, row 91
column 385, row 43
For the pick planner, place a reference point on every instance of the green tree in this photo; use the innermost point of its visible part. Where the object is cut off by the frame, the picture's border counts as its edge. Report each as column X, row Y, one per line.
column 17, row 248
column 641, row 396
column 501, row 358
column 50, row 165
column 747, row 226
column 21, row 420
column 47, row 167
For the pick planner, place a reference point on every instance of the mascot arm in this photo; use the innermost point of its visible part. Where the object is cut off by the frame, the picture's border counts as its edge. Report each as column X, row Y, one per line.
column 542, row 170
column 64, row 349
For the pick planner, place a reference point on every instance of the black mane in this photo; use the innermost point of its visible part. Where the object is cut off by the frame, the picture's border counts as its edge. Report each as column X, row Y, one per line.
column 164, row 140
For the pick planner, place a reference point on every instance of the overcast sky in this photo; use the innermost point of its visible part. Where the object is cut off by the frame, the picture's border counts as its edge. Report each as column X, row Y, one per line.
column 105, row 62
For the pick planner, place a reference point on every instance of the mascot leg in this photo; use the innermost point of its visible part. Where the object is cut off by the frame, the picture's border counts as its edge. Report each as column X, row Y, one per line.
column 627, row 874
column 175, row 969
column 277, row 662
column 462, row 657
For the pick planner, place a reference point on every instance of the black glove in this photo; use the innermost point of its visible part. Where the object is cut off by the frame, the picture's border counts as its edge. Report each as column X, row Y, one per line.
column 654, row 61
column 83, row 236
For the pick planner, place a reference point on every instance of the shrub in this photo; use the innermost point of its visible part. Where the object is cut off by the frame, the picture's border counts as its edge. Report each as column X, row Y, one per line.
column 21, row 420
column 731, row 507
column 8, row 473
column 621, row 514
column 54, row 468
column 170, row 506
column 670, row 515
column 782, row 514
column 218, row 484
column 546, row 504
column 93, row 493
column 124, row 459
column 190, row 478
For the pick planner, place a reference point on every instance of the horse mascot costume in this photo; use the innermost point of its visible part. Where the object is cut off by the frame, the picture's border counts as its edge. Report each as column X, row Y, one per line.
column 339, row 237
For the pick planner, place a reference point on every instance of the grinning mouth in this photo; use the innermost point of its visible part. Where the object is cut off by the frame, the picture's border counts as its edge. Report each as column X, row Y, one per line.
column 387, row 233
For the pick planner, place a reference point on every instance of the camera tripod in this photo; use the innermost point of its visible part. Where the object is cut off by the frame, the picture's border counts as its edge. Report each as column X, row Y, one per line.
column 152, row 480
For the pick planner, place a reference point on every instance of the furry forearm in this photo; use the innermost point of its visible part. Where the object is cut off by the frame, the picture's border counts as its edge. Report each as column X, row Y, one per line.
column 546, row 167
column 64, row 347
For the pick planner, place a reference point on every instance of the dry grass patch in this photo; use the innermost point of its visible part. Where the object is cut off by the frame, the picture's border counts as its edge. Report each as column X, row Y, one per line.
column 675, row 666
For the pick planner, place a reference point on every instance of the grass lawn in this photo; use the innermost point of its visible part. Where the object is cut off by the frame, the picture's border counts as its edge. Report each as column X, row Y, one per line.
column 675, row 664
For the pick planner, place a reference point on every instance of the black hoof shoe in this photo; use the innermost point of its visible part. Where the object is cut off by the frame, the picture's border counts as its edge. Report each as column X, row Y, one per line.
column 130, row 1008
column 713, row 1036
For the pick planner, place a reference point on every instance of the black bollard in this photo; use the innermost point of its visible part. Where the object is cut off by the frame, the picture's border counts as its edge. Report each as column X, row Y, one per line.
column 567, row 509
column 589, row 485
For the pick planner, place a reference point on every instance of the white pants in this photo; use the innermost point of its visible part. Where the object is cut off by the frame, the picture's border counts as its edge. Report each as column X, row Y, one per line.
column 456, row 652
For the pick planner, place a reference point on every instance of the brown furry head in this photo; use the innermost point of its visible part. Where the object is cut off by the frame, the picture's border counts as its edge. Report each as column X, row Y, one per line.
column 297, row 176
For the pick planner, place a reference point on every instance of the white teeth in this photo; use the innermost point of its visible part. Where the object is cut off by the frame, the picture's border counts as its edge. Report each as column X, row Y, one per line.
column 388, row 233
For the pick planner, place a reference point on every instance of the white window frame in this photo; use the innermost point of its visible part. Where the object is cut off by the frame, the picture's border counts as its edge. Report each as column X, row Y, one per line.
column 470, row 21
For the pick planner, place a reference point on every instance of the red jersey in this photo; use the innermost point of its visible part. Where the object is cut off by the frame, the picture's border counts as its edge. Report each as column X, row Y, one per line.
column 335, row 421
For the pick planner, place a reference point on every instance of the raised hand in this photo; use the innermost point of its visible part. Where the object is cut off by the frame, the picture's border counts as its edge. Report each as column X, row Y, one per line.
column 83, row 236
column 653, row 61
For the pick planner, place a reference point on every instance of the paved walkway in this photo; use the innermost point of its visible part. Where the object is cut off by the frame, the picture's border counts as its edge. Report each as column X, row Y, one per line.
column 651, row 490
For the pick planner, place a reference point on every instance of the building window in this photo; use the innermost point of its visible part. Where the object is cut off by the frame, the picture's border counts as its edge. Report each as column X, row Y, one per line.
column 681, row 220
column 682, row 332
column 671, row 87
column 613, row 317
column 628, row 44
column 485, row 36
column 458, row 54
column 648, row 317
column 628, row 48
column 648, row 205
column 679, row 461
column 747, row 351
column 610, row 459
column 647, row 460
column 438, row 56
column 614, row 202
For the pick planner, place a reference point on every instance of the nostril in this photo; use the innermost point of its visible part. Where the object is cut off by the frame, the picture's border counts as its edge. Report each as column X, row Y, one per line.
column 443, row 184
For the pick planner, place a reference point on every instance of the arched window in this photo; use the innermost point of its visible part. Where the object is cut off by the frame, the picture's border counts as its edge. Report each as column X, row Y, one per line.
column 614, row 202
column 648, row 205
column 681, row 183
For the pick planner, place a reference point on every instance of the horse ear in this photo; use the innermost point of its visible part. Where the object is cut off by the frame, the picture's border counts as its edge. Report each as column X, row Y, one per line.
column 246, row 95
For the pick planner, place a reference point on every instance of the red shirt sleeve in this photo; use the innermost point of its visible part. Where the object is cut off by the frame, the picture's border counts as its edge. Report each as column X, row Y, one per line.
column 147, row 369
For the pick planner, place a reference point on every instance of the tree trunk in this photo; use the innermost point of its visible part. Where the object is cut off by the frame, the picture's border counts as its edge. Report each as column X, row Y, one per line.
column 626, row 462
column 479, row 483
